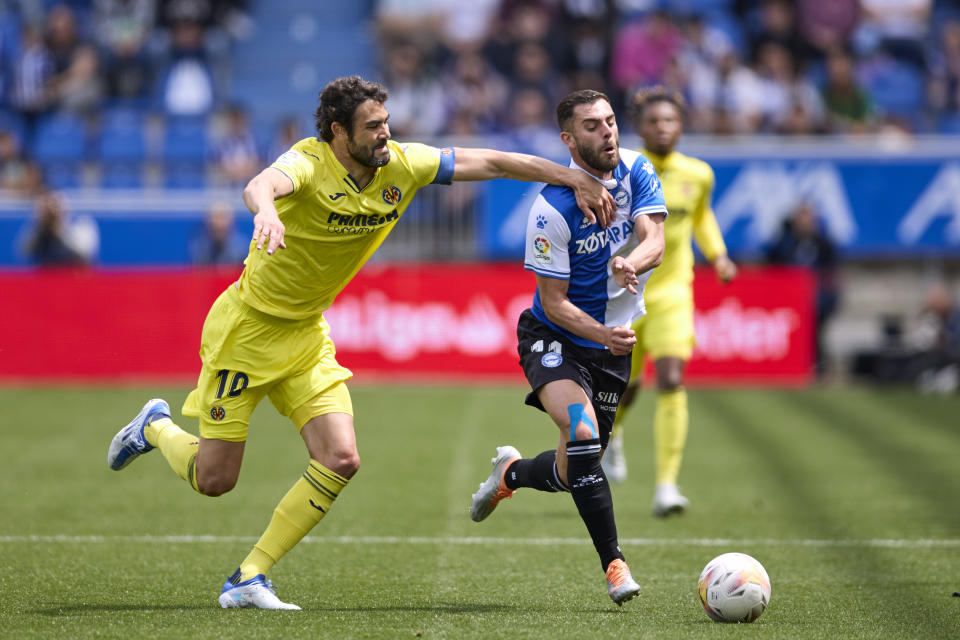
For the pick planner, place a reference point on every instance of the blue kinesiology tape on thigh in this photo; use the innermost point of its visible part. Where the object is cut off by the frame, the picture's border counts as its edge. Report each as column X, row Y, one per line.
column 577, row 415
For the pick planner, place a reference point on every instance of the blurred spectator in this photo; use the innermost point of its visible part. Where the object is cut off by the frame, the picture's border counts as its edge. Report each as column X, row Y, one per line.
column 17, row 173
column 532, row 68
column 848, row 106
column 219, row 243
column 122, row 28
column 826, row 26
column 775, row 22
column 899, row 27
column 532, row 126
column 725, row 99
column 643, row 49
column 783, row 92
column 943, row 89
column 288, row 132
column 474, row 87
column 32, row 67
column 802, row 242
column 187, row 86
column 236, row 159
column 416, row 96
column 53, row 240
column 75, row 83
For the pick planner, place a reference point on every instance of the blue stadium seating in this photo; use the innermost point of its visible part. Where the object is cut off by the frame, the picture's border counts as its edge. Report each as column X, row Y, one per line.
column 61, row 137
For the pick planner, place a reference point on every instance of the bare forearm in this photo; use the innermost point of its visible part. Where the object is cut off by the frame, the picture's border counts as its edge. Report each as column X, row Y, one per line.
column 488, row 164
column 646, row 256
column 565, row 314
column 257, row 193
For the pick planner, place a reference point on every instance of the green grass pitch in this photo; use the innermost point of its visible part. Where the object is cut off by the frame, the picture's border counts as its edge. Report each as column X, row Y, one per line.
column 849, row 497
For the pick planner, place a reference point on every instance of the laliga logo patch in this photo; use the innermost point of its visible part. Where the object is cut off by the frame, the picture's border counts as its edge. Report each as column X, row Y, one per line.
column 541, row 249
column 218, row 413
column 621, row 197
column 551, row 359
column 392, row 195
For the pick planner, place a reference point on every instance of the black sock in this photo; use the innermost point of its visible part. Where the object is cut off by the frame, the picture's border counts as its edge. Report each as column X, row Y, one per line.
column 538, row 473
column 591, row 493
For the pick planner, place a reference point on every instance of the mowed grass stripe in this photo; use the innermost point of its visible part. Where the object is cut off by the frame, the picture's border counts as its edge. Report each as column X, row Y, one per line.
column 922, row 473
column 813, row 440
column 493, row 541
column 778, row 435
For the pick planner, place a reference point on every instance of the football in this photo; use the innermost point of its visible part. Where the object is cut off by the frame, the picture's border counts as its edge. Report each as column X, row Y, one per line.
column 734, row 587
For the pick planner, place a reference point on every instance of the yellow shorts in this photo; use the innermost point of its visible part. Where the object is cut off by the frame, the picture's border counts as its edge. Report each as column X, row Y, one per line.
column 665, row 331
column 247, row 354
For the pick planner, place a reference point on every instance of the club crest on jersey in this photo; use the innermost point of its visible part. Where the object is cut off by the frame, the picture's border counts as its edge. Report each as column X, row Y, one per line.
column 551, row 359
column 541, row 249
column 392, row 195
column 621, row 197
column 218, row 413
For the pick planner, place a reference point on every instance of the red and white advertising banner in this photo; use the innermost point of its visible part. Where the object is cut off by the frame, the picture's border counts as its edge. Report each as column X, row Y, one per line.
column 417, row 322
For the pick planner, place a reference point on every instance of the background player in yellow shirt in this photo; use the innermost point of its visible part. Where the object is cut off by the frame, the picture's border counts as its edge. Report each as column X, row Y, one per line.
column 321, row 210
column 665, row 333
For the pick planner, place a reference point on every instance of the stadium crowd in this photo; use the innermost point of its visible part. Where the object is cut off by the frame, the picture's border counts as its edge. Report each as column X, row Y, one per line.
column 781, row 67
column 121, row 82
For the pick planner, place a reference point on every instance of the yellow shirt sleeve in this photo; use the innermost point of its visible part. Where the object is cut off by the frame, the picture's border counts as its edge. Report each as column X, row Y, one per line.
column 422, row 160
column 706, row 231
column 297, row 166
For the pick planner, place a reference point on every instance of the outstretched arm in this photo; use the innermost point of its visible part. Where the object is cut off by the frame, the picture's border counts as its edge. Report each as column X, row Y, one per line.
column 488, row 164
column 259, row 195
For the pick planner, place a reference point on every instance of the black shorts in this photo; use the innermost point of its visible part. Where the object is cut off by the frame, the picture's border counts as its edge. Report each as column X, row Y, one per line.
column 547, row 356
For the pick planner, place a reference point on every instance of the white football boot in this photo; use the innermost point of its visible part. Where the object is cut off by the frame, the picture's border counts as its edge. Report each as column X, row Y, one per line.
column 667, row 500
column 255, row 593
column 614, row 461
column 493, row 490
column 130, row 441
column 620, row 584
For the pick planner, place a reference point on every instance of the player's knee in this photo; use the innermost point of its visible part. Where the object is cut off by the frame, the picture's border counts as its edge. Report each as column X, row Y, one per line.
column 670, row 380
column 584, row 432
column 345, row 463
column 214, row 485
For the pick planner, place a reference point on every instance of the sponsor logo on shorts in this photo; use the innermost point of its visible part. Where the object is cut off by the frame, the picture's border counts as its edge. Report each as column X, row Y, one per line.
column 218, row 413
column 551, row 359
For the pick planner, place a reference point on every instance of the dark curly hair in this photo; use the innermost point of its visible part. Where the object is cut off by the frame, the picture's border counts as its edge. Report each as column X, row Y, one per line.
column 572, row 100
column 646, row 97
column 339, row 101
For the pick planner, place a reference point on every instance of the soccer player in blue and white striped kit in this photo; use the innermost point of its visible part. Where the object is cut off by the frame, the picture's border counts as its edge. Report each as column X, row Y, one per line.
column 575, row 341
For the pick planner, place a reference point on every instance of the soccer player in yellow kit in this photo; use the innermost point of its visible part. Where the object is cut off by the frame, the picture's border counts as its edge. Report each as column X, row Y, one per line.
column 665, row 333
column 320, row 211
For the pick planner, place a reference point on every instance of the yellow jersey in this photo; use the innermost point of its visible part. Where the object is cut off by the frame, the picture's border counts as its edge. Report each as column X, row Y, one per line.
column 333, row 226
column 687, row 189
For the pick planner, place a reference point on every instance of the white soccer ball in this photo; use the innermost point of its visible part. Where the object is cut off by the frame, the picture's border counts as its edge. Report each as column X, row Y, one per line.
column 734, row 587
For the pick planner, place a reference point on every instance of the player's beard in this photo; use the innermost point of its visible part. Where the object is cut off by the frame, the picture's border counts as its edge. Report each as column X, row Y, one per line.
column 365, row 155
column 592, row 157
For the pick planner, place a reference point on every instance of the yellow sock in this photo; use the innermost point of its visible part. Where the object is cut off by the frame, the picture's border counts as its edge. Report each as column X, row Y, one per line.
column 177, row 446
column 297, row 513
column 670, row 421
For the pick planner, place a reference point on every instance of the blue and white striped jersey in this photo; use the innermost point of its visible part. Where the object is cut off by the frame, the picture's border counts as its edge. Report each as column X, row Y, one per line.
column 562, row 244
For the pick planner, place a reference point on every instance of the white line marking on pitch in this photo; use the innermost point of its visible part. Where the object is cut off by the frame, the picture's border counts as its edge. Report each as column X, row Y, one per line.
column 477, row 540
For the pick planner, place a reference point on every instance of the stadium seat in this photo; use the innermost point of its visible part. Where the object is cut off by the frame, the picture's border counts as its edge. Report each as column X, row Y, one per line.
column 121, row 175
column 184, row 175
column 122, row 135
column 61, row 137
column 185, row 140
